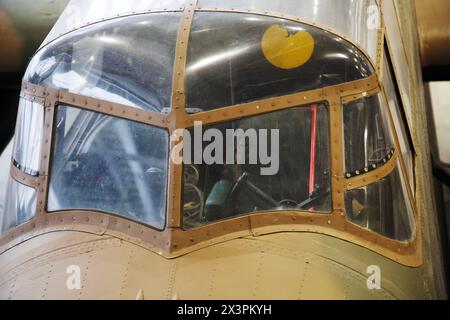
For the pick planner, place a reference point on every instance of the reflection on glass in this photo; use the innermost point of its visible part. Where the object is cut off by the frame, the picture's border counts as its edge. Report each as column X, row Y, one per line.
column 235, row 58
column 20, row 205
column 28, row 138
column 367, row 135
column 110, row 165
column 327, row 13
column 127, row 61
column 383, row 208
column 399, row 117
column 223, row 190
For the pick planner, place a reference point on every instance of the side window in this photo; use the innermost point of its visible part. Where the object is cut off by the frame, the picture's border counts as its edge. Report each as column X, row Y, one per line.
column 20, row 205
column 367, row 136
column 27, row 143
column 384, row 206
column 399, row 117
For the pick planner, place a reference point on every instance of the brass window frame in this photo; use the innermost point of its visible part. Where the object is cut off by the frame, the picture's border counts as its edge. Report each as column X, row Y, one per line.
column 173, row 241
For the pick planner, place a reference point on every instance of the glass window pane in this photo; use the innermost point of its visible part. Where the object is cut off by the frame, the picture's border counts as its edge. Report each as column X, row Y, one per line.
column 382, row 207
column 400, row 122
column 297, row 142
column 28, row 138
column 329, row 13
column 127, row 61
column 108, row 164
column 20, row 205
column 367, row 135
column 236, row 58
column 404, row 68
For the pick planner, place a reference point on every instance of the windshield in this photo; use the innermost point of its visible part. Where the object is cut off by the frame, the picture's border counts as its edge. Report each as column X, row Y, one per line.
column 289, row 170
column 108, row 164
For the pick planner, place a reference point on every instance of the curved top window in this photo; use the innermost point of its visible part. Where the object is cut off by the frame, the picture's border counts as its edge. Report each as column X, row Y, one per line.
column 235, row 58
column 127, row 61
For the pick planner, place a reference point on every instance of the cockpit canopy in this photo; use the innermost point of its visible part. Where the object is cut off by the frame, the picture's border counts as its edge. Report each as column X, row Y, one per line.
column 121, row 167
column 232, row 59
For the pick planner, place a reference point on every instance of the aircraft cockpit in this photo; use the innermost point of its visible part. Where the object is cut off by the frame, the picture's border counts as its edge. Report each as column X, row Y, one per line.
column 114, row 93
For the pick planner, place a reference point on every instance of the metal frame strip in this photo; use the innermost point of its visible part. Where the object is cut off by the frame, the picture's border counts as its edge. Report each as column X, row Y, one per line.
column 177, row 115
column 23, row 178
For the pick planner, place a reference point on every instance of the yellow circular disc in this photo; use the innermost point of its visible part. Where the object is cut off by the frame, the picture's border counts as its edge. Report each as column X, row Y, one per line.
column 287, row 51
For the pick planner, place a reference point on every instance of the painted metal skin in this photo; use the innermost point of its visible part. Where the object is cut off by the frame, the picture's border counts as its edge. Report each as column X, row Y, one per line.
column 286, row 265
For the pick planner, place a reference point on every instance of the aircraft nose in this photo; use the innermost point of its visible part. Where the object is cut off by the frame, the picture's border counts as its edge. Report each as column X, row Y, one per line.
column 71, row 265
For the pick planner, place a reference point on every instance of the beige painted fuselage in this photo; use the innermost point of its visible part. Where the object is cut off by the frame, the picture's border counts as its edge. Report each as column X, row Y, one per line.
column 51, row 263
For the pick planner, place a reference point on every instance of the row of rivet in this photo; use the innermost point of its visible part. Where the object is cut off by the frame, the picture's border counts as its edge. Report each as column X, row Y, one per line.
column 371, row 167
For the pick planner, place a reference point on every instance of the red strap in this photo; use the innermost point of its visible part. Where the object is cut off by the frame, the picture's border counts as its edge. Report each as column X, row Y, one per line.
column 312, row 165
